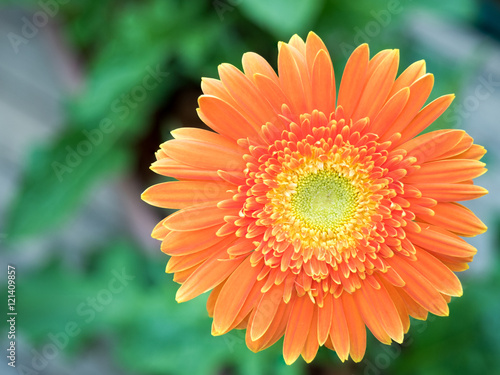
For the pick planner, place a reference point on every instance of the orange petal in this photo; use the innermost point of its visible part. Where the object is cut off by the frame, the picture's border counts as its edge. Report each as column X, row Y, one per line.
column 453, row 263
column 160, row 231
column 377, row 60
column 182, row 276
column 234, row 177
column 197, row 217
column 178, row 243
column 298, row 43
column 353, row 79
column 377, row 87
column 311, row 346
column 297, row 328
column 440, row 241
column 184, row 262
column 446, row 297
column 281, row 328
column 254, row 106
column 409, row 76
column 160, row 154
column 475, row 152
column 446, row 171
column 314, row 45
column 265, row 311
column 323, row 83
column 214, row 87
column 325, row 315
column 241, row 246
column 414, row 309
column 390, row 111
column 180, row 194
column 241, row 325
column 206, row 277
column 274, row 332
column 357, row 329
column 433, row 145
column 443, row 192
column 212, row 298
column 233, row 295
column 426, row 117
column 172, row 168
column 384, row 310
column 224, row 119
column 339, row 330
column 419, row 92
column 203, row 135
column 455, row 218
column 392, row 277
column 255, row 64
column 272, row 92
column 437, row 273
column 242, row 318
column 463, row 145
column 292, row 81
column 205, row 155
column 418, row 287
column 370, row 316
column 298, row 49
column 398, row 303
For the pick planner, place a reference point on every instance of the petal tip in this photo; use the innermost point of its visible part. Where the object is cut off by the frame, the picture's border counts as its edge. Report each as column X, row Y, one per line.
column 178, row 298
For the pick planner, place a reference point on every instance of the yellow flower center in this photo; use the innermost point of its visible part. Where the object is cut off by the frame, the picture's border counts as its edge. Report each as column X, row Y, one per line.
column 323, row 204
column 324, row 200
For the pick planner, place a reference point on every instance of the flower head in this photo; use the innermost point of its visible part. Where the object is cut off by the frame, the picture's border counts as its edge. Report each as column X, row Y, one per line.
column 315, row 215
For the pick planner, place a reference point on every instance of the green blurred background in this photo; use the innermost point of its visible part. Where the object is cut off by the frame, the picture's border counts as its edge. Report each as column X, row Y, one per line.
column 88, row 91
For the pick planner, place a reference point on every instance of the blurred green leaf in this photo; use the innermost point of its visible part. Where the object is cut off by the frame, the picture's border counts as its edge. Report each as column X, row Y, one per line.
column 282, row 18
column 57, row 179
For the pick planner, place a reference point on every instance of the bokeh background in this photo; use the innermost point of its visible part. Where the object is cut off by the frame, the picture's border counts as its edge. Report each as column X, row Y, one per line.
column 88, row 91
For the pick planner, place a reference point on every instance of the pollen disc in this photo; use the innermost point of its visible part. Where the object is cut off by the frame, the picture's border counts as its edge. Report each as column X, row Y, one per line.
column 324, row 200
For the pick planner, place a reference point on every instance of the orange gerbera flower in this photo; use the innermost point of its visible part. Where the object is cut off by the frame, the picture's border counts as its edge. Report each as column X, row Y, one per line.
column 312, row 215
